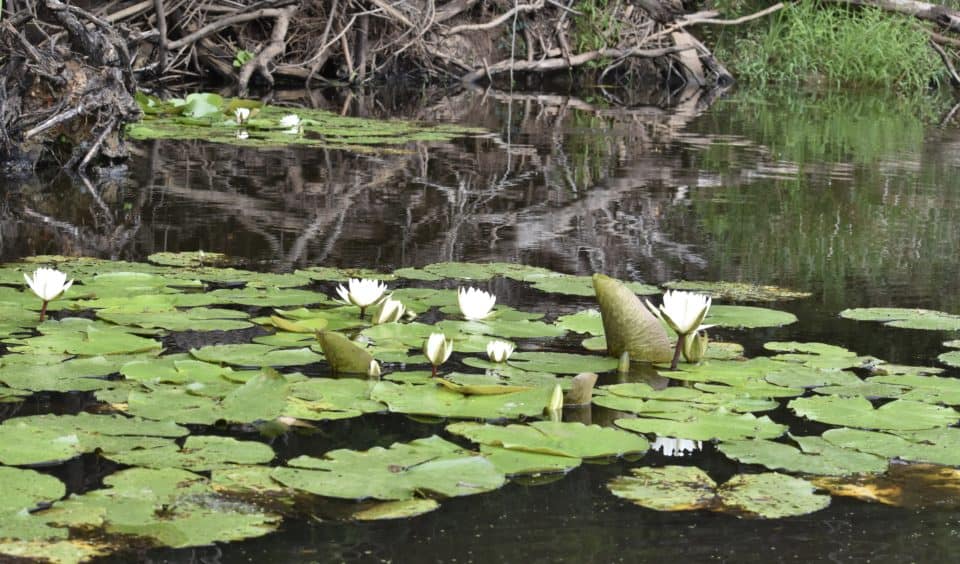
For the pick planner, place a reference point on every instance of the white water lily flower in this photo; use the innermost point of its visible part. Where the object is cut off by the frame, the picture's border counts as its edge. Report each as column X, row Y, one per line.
column 241, row 115
column 291, row 122
column 499, row 351
column 682, row 311
column 390, row 311
column 374, row 370
column 437, row 349
column 48, row 284
column 242, row 134
column 676, row 447
column 362, row 293
column 475, row 304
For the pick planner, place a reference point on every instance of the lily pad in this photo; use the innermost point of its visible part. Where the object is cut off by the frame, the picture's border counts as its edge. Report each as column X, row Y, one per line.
column 256, row 355
column 703, row 426
column 198, row 453
column 173, row 507
column 684, row 488
column 440, row 402
column 188, row 258
column 561, row 363
column 747, row 317
column 916, row 486
column 574, row 440
column 194, row 319
column 324, row 398
column 901, row 415
column 403, row 471
column 817, row 457
column 905, row 318
column 396, row 509
column 738, row 291
column 937, row 446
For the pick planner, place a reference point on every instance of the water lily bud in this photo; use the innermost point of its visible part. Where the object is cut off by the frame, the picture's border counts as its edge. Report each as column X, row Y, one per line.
column 475, row 304
column 499, row 351
column 695, row 347
column 556, row 400
column 437, row 349
column 390, row 311
column 374, row 370
column 623, row 366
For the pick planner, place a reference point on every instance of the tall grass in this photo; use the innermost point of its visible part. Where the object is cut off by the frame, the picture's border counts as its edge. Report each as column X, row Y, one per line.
column 811, row 42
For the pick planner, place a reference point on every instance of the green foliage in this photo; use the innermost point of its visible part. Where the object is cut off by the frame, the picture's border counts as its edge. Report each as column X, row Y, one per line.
column 808, row 42
column 596, row 27
column 241, row 58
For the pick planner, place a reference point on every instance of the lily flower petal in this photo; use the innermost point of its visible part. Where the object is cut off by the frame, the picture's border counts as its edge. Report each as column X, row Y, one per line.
column 475, row 304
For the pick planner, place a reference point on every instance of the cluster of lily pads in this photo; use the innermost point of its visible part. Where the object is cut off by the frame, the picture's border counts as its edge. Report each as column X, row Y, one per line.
column 289, row 352
column 209, row 116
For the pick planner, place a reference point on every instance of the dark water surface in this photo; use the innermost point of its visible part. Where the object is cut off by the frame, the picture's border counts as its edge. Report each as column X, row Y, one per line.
column 853, row 198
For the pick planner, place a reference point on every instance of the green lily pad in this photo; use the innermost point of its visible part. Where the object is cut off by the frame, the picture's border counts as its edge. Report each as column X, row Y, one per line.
column 194, row 319
column 928, row 389
column 586, row 321
column 951, row 358
column 698, row 425
column 901, row 415
column 937, row 446
column 60, row 552
column 170, row 506
column 255, row 355
column 260, row 398
column 574, row 440
column 440, row 402
column 320, row 399
column 580, row 285
column 512, row 462
column 627, row 324
column 402, row 509
column 738, row 291
column 188, row 258
column 78, row 375
column 641, row 399
column 685, row 488
column 84, row 337
column 25, row 489
column 905, row 318
column 747, row 317
column 403, row 471
column 198, row 453
column 561, row 363
column 817, row 457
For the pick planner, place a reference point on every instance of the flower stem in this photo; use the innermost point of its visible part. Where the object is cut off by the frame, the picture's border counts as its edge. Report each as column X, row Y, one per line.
column 362, row 311
column 677, row 351
column 433, row 367
column 43, row 311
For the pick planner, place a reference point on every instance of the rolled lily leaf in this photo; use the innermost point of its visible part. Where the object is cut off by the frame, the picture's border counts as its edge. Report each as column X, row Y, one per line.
column 628, row 325
column 343, row 355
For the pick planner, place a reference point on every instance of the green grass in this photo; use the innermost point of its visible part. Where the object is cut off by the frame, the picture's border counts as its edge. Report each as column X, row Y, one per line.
column 821, row 44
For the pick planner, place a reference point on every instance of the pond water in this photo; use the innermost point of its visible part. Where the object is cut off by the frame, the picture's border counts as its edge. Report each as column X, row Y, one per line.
column 853, row 198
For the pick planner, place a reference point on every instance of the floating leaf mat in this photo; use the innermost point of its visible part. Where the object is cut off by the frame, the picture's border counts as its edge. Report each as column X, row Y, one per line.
column 182, row 361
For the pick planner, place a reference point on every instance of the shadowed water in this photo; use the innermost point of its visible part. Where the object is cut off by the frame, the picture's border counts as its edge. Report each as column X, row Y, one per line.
column 853, row 198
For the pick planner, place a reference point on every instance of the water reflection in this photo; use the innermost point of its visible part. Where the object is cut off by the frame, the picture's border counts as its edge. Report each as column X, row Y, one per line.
column 812, row 191
column 855, row 199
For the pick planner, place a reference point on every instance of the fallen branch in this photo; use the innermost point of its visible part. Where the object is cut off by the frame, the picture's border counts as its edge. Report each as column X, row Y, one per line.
column 269, row 52
column 557, row 63
column 521, row 8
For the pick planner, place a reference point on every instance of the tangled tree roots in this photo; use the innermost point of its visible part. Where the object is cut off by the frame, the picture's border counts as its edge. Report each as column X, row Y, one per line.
column 65, row 82
column 69, row 70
